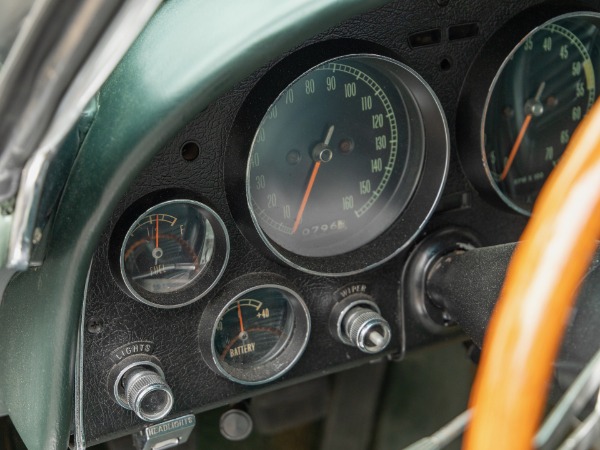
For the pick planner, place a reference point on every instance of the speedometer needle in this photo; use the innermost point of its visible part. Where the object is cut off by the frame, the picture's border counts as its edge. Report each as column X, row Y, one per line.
column 311, row 181
column 515, row 148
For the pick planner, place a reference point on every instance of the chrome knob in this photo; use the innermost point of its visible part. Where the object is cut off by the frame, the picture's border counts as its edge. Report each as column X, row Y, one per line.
column 366, row 329
column 147, row 393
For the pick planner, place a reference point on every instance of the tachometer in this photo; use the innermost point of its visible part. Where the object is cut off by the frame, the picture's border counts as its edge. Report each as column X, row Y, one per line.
column 539, row 95
column 543, row 91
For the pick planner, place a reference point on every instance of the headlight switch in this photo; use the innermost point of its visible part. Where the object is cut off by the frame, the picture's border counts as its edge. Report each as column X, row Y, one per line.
column 138, row 383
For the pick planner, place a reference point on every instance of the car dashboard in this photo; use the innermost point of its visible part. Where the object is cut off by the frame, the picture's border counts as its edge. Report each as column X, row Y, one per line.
column 276, row 234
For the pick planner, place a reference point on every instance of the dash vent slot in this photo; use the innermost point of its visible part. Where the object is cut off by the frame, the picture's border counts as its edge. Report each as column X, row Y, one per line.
column 464, row 31
column 425, row 38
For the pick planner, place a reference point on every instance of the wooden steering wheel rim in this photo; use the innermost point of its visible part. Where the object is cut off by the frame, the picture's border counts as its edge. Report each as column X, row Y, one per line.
column 526, row 329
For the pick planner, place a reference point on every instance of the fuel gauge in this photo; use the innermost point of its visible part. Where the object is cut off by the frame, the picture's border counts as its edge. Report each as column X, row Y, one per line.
column 173, row 253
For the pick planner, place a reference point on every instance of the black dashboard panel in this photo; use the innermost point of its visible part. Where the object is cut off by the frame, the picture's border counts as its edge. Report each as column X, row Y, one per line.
column 437, row 39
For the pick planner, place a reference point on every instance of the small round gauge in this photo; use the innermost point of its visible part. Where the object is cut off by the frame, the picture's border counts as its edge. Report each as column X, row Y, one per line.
column 337, row 158
column 541, row 93
column 174, row 253
column 260, row 334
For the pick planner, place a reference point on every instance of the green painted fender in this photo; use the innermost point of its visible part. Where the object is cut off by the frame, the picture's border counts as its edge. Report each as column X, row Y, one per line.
column 189, row 53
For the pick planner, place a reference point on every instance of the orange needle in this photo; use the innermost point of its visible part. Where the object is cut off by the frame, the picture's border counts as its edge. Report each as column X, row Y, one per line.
column 156, row 231
column 240, row 317
column 515, row 147
column 311, row 182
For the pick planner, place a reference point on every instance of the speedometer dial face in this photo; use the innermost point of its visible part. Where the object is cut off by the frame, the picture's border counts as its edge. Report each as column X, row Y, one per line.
column 343, row 159
column 540, row 95
column 335, row 159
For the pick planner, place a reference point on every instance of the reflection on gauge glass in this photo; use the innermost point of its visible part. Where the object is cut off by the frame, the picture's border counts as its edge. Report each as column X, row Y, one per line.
column 170, row 249
column 337, row 157
column 260, row 334
column 540, row 95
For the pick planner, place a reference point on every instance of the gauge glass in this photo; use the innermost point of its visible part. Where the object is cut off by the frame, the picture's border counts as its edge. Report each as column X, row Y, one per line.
column 252, row 331
column 260, row 334
column 538, row 98
column 170, row 249
column 335, row 159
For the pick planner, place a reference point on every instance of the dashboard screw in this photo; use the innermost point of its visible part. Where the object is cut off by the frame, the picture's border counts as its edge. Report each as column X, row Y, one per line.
column 94, row 325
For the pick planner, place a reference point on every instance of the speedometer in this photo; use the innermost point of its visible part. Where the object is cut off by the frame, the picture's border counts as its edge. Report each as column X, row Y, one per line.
column 330, row 155
column 338, row 156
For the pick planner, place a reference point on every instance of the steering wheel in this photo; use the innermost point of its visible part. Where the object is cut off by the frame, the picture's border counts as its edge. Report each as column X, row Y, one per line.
column 526, row 329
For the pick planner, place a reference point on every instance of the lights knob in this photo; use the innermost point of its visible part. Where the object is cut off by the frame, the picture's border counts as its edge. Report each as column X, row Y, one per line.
column 366, row 329
column 147, row 393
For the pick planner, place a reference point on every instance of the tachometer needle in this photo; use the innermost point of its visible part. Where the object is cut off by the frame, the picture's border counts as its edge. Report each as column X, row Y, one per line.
column 515, row 148
column 311, row 182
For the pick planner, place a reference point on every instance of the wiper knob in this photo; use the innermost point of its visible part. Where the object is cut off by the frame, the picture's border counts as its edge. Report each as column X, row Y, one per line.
column 366, row 329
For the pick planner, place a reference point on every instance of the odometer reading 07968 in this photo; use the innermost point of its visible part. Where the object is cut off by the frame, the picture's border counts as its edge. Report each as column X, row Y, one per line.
column 335, row 159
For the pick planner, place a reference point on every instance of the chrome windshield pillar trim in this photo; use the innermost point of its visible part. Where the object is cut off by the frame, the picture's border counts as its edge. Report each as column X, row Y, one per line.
column 114, row 43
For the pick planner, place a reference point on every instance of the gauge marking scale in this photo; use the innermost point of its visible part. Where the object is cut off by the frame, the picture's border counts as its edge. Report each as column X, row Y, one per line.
column 389, row 114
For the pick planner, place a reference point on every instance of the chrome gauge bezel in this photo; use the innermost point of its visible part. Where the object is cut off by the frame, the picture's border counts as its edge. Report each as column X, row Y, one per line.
column 200, row 285
column 416, row 93
column 284, row 358
column 511, row 204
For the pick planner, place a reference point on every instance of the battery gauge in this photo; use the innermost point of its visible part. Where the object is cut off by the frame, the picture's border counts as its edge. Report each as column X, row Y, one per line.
column 259, row 334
